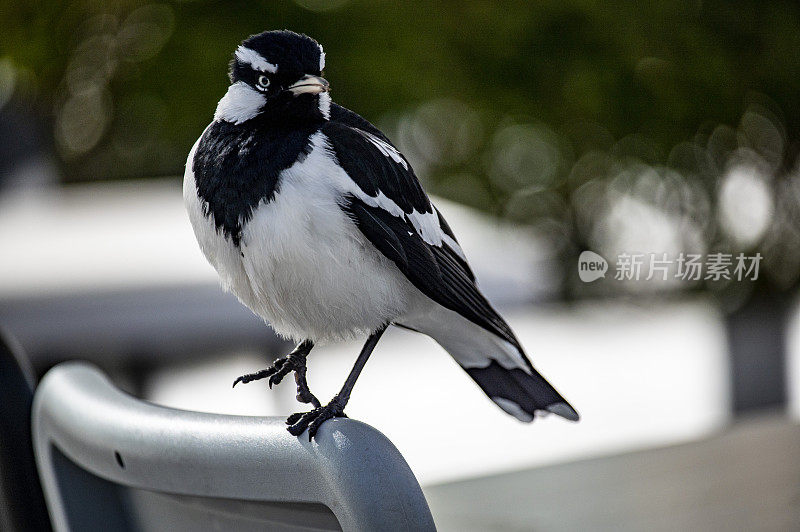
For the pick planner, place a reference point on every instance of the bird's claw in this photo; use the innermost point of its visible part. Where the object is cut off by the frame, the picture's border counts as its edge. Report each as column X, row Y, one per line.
column 282, row 368
column 278, row 370
column 264, row 373
column 314, row 419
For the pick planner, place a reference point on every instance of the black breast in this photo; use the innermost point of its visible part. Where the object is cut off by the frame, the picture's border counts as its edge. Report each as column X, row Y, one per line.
column 236, row 167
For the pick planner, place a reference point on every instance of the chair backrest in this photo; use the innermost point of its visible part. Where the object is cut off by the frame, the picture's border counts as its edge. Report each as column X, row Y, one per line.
column 110, row 461
column 21, row 501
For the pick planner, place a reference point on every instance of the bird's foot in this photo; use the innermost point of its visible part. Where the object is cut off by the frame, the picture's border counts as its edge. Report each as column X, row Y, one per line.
column 313, row 420
column 294, row 361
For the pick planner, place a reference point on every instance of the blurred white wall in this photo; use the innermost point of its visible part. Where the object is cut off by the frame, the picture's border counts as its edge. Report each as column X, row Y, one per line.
column 639, row 375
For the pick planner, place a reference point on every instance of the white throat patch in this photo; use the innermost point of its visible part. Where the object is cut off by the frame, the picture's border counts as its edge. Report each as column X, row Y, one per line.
column 241, row 103
column 255, row 60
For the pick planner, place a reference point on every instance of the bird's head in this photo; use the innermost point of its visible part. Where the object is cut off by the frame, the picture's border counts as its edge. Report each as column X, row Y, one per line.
column 276, row 76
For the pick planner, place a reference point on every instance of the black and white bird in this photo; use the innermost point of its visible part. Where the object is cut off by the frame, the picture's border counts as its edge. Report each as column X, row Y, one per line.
column 317, row 223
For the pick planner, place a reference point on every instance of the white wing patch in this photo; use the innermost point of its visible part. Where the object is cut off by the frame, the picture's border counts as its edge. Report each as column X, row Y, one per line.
column 241, row 103
column 385, row 148
column 255, row 60
column 325, row 105
column 321, row 157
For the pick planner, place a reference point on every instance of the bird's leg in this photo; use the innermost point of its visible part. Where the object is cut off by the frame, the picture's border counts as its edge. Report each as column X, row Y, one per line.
column 314, row 419
column 304, row 394
column 294, row 361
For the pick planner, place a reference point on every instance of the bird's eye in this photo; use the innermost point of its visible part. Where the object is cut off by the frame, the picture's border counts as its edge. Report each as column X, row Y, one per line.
column 262, row 82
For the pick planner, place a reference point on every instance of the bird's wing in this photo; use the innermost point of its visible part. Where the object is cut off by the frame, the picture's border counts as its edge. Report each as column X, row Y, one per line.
column 386, row 202
column 394, row 213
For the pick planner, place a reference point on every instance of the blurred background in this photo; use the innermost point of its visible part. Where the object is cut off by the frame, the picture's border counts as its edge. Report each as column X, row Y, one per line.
column 543, row 130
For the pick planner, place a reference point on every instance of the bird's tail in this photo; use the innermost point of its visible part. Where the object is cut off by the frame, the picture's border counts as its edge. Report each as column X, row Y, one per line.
column 520, row 393
column 499, row 367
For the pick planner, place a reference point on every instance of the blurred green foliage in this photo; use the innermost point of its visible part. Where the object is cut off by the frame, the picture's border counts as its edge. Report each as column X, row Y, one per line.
column 496, row 103
column 660, row 69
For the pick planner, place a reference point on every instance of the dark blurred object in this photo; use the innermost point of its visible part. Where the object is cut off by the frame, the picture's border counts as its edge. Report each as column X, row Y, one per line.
column 22, row 505
column 757, row 338
column 134, row 330
column 26, row 158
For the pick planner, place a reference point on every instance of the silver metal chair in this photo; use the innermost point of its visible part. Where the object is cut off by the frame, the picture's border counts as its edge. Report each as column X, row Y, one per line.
column 109, row 461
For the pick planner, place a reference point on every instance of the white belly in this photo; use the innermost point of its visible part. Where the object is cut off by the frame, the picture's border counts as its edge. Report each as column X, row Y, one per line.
column 303, row 265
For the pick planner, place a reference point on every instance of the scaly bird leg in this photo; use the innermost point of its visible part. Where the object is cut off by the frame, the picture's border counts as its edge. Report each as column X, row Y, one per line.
column 294, row 361
column 314, row 419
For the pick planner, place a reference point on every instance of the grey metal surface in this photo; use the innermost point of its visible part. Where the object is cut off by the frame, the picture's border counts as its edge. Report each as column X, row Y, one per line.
column 142, row 464
column 746, row 477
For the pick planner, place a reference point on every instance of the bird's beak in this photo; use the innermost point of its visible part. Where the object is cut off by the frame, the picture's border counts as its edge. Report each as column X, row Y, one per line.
column 309, row 84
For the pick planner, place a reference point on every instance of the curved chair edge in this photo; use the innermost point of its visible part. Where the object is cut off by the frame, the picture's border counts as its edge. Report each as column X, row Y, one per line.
column 350, row 467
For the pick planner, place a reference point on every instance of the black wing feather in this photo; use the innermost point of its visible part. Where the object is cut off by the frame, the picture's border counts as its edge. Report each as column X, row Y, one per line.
column 435, row 270
column 343, row 115
column 449, row 232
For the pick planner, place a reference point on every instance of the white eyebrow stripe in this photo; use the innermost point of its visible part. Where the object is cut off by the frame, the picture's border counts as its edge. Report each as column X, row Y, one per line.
column 255, row 60
column 321, row 58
